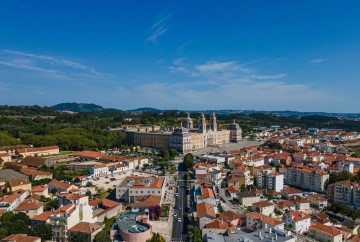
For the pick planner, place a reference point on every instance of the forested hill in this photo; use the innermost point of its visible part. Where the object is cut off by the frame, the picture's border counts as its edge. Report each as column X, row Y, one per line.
column 78, row 107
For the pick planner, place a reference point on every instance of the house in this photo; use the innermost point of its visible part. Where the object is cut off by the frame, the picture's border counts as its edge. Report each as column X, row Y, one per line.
column 42, row 190
column 322, row 218
column 288, row 192
column 20, row 238
column 318, row 201
column 264, row 207
column 325, row 233
column 33, row 161
column 206, row 195
column 233, row 191
column 247, row 198
column 31, row 208
column 205, row 213
column 256, row 221
column 60, row 186
column 40, row 151
column 41, row 218
column 17, row 184
column 72, row 198
column 5, row 157
column 301, row 203
column 236, row 220
column 299, row 221
column 105, row 208
column 34, row 174
column 286, row 205
column 86, row 230
column 12, row 201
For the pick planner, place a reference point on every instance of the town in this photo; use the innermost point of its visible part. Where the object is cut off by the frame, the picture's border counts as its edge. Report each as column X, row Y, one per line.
column 187, row 183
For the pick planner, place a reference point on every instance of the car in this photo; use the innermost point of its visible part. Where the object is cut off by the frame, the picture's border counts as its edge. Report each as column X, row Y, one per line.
column 107, row 182
column 176, row 195
column 179, row 207
column 177, row 186
column 113, row 179
column 179, row 219
column 106, row 177
column 175, row 214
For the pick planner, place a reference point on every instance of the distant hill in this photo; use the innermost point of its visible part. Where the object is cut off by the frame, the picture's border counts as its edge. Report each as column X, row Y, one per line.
column 145, row 109
column 78, row 107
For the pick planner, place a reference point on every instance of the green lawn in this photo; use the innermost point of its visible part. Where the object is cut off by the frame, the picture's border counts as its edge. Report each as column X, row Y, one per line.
column 108, row 223
column 165, row 211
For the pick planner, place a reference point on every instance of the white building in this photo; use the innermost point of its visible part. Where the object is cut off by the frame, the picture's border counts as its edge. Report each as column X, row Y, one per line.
column 299, row 221
column 12, row 201
column 270, row 180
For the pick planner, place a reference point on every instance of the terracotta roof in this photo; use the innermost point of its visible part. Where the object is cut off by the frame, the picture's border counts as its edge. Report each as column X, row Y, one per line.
column 68, row 209
column 355, row 238
column 20, row 238
column 60, row 184
column 13, row 197
column 264, row 218
column 230, row 216
column 206, row 193
column 290, row 190
column 40, row 188
column 71, row 196
column 158, row 182
column 205, row 209
column 87, row 228
column 105, row 202
column 18, row 182
column 218, row 224
column 233, row 189
column 149, row 201
column 29, row 205
column 318, row 197
column 37, row 149
column 298, row 199
column 325, row 229
column 90, row 154
column 298, row 216
column 34, row 172
column 33, row 161
column 43, row 216
column 203, row 182
column 285, row 203
column 263, row 204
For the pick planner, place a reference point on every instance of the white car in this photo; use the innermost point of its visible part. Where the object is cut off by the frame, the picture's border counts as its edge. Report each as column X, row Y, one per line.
column 179, row 219
column 175, row 214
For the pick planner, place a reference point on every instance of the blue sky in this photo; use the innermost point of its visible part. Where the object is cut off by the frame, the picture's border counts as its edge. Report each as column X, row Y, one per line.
column 205, row 54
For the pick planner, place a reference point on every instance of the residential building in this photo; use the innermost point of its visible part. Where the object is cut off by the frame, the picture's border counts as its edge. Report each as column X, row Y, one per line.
column 318, row 201
column 105, row 208
column 247, row 198
column 302, row 204
column 325, row 233
column 256, row 221
column 31, row 208
column 41, row 190
column 134, row 186
column 236, row 220
column 345, row 192
column 98, row 170
column 306, row 178
column 34, row 174
column 289, row 192
column 286, row 205
column 9, row 203
column 299, row 221
column 205, row 213
column 205, row 194
column 60, row 186
column 40, row 151
column 264, row 207
column 33, row 161
column 86, row 230
column 270, row 180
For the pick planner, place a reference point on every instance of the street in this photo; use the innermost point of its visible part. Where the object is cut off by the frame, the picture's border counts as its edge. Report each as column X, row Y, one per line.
column 181, row 201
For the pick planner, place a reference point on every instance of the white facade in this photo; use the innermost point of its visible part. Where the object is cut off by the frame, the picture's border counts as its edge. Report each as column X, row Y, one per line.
column 270, row 180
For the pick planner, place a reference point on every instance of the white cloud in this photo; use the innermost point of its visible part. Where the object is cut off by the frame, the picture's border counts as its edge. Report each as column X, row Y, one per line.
column 272, row 77
column 316, row 61
column 54, row 67
column 158, row 28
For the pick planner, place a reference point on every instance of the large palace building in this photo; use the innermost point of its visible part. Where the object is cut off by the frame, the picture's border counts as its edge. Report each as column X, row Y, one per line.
column 184, row 139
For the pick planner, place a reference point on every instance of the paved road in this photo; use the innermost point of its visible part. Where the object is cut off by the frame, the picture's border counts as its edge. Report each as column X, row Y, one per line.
column 181, row 200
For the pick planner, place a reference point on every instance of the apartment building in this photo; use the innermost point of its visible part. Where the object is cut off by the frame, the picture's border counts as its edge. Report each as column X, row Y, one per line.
column 308, row 179
column 134, row 186
column 270, row 180
column 345, row 192
column 256, row 221
column 264, row 207
column 12, row 201
column 325, row 233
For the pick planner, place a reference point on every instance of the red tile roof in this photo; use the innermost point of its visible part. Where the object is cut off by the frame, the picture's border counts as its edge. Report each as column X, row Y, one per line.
column 298, row 216
column 264, row 218
column 29, row 205
column 60, row 184
column 325, row 229
column 40, row 188
column 20, row 238
column 86, row 228
column 205, row 209
column 43, row 216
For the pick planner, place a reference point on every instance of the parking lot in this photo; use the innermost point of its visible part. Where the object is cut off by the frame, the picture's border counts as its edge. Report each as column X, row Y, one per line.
column 106, row 183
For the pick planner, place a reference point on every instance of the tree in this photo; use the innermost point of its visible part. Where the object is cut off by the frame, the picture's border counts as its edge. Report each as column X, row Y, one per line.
column 43, row 231
column 156, row 237
column 189, row 161
column 18, row 227
column 102, row 237
column 77, row 238
column 52, row 204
